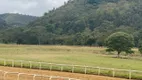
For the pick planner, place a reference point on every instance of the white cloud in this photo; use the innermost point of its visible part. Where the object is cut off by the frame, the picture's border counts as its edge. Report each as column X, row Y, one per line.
column 31, row 7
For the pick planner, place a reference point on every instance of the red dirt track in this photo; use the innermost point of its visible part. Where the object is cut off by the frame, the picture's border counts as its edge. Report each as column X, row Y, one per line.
column 56, row 73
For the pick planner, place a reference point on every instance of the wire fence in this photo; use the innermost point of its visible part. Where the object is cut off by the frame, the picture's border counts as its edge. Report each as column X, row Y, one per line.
column 25, row 76
column 124, row 73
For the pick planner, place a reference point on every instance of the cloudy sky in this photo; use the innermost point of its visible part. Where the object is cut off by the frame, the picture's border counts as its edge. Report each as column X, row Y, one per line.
column 31, row 7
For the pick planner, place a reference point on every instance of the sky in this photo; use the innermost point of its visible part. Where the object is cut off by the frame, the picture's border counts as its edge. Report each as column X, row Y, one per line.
column 29, row 7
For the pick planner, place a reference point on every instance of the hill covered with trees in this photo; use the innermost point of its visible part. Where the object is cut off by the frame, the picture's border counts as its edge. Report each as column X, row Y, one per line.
column 16, row 20
column 83, row 22
column 3, row 24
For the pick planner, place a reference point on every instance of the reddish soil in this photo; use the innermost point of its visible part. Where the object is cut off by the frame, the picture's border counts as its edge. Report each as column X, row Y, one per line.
column 52, row 73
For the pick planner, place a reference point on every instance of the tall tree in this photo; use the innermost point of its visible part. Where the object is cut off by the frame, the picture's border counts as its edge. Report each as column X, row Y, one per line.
column 120, row 42
column 39, row 32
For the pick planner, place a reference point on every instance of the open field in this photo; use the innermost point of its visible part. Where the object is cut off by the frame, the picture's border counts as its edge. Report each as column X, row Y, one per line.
column 67, row 55
column 89, row 56
column 51, row 73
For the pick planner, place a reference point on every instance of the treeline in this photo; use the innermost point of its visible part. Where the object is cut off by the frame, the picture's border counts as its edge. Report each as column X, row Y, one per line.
column 81, row 22
column 40, row 35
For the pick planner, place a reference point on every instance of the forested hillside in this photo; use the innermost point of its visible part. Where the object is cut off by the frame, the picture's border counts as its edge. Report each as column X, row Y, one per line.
column 82, row 22
column 17, row 19
column 2, row 24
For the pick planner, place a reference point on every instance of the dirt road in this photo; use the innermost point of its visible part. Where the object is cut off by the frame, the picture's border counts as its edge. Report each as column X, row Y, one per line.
column 56, row 73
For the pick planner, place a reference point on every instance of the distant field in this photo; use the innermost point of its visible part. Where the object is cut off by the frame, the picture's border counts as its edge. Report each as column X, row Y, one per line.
column 89, row 56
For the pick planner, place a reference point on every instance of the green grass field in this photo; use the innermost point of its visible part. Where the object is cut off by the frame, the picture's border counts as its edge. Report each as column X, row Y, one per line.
column 89, row 56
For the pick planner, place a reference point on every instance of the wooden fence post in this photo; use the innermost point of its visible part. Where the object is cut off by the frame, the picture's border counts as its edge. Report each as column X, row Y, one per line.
column 21, row 64
column 12, row 63
column 50, row 78
column 85, row 69
column 113, row 72
column 72, row 68
column 62, row 68
column 130, row 74
column 34, row 76
column 4, row 76
column 4, row 62
column 99, row 70
column 51, row 66
column 18, row 76
column 30, row 64
column 39, row 65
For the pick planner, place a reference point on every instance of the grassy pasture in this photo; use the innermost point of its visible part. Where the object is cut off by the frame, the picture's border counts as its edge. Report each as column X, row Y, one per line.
column 89, row 56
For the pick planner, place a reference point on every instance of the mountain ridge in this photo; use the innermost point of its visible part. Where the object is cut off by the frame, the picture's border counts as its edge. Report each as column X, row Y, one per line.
column 15, row 19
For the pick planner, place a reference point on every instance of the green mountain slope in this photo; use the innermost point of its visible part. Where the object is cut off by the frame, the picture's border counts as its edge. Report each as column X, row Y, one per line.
column 2, row 23
column 76, row 15
column 85, row 22
column 17, row 19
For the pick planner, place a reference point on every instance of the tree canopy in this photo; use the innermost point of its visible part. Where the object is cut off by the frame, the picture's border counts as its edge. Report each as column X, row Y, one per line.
column 120, row 42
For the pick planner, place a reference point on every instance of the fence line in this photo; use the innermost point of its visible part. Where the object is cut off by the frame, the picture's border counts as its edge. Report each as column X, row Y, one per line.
column 5, row 73
column 41, row 65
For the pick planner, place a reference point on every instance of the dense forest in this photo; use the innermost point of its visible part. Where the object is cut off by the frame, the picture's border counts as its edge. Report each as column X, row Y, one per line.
column 2, row 23
column 79, row 22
